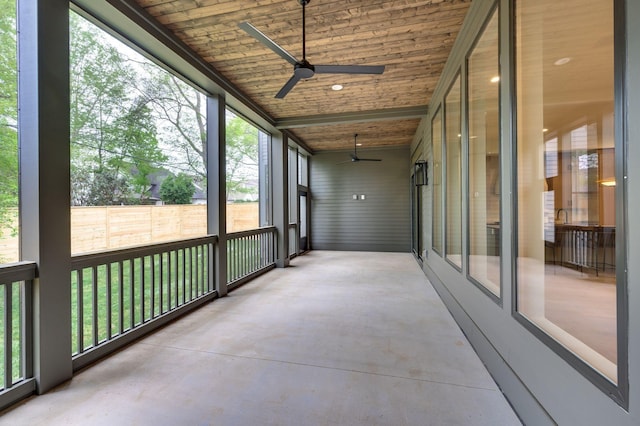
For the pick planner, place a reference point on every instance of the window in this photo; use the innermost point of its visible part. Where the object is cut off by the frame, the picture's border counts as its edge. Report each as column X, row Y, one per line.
column 8, row 134
column 566, row 266
column 293, row 200
column 247, row 166
column 436, row 138
column 138, row 165
column 453, row 188
column 483, row 74
column 302, row 170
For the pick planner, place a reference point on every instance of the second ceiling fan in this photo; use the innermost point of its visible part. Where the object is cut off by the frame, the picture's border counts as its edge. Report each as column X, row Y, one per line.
column 354, row 156
column 303, row 69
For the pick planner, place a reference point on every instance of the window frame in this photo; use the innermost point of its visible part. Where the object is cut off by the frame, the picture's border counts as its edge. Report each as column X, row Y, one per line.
column 445, row 166
column 617, row 392
column 497, row 298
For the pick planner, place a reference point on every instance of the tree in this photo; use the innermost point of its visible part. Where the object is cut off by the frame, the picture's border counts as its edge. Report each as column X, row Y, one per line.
column 180, row 113
column 177, row 189
column 181, row 110
column 242, row 156
column 114, row 143
column 8, row 117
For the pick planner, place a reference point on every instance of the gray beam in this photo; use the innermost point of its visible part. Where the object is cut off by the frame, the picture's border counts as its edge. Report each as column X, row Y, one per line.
column 43, row 131
column 217, row 187
column 280, row 170
column 352, row 117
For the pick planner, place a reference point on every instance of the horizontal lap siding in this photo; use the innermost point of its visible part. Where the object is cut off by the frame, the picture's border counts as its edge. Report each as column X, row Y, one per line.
column 381, row 222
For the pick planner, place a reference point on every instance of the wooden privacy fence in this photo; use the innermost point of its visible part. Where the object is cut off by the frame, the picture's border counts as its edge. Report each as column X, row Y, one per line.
column 104, row 228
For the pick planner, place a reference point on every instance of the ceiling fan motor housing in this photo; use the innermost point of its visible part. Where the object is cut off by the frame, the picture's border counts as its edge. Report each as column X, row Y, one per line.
column 304, row 69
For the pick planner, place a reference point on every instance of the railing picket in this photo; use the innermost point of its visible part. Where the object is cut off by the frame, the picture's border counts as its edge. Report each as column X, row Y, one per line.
column 27, row 327
column 80, row 319
column 196, row 266
column 160, row 280
column 8, row 335
column 184, row 277
column 142, row 289
column 132, row 294
column 94, row 304
column 176, row 279
column 152, row 302
column 121, row 296
column 109, row 296
column 169, row 281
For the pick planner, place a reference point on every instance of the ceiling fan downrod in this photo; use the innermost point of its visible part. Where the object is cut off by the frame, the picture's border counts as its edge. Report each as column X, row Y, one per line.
column 303, row 3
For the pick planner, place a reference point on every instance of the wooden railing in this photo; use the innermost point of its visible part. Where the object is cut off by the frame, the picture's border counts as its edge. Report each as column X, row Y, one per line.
column 16, row 328
column 250, row 253
column 129, row 292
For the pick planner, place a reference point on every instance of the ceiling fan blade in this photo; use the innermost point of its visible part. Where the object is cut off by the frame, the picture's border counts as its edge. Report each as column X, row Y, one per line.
column 369, row 159
column 288, row 86
column 349, row 69
column 259, row 35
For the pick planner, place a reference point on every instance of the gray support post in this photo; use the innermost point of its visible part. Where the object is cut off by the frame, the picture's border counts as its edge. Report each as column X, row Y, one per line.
column 43, row 123
column 217, row 186
column 280, row 170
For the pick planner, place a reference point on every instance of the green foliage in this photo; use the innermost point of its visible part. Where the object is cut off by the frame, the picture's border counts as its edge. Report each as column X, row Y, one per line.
column 242, row 156
column 114, row 144
column 8, row 116
column 177, row 189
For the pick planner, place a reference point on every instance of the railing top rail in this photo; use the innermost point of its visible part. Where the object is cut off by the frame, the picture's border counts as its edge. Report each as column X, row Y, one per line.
column 257, row 231
column 18, row 271
column 91, row 259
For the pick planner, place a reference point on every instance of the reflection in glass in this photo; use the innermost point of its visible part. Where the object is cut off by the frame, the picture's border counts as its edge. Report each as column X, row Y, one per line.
column 436, row 138
column 453, row 140
column 566, row 175
column 484, row 159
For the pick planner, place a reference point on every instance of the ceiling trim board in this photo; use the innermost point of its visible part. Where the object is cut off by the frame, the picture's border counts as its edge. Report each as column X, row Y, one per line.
column 352, row 117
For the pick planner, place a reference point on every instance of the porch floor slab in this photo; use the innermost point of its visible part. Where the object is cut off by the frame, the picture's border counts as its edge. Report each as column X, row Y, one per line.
column 337, row 338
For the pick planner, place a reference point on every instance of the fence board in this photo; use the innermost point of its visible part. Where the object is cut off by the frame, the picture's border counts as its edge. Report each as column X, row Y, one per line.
column 109, row 227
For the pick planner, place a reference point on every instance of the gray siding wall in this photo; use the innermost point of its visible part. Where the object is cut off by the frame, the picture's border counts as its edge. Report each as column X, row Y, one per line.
column 381, row 222
column 543, row 387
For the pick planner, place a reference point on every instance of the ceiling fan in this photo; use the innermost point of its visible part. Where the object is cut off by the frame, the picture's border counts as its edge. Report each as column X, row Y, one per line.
column 354, row 155
column 303, row 69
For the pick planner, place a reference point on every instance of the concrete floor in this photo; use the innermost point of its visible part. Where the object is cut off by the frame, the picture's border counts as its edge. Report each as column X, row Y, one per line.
column 339, row 338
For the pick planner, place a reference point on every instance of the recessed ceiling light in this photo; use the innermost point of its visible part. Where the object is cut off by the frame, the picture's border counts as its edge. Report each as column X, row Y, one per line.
column 545, row 130
column 562, row 61
column 358, row 144
column 495, row 79
column 337, row 87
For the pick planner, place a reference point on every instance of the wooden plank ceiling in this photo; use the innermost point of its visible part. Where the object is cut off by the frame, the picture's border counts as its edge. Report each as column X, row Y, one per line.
column 412, row 38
